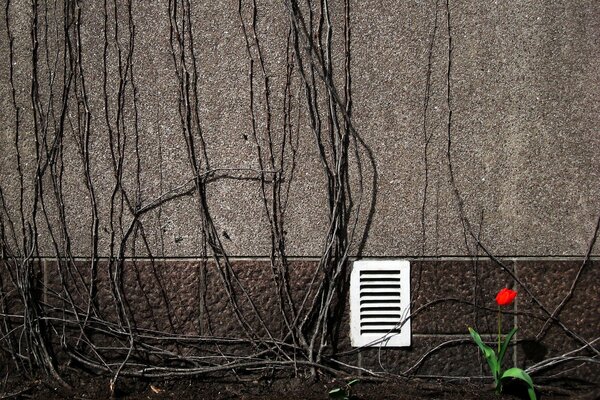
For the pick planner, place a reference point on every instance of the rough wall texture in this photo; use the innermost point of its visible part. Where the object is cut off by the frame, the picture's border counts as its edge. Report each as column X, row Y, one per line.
column 447, row 295
column 471, row 121
column 523, row 142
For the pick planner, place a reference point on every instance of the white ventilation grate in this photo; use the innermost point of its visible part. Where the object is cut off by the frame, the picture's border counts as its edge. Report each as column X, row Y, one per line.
column 380, row 303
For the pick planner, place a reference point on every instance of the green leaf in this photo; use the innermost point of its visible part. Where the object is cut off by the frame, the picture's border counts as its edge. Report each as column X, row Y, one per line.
column 478, row 340
column 338, row 393
column 352, row 382
column 488, row 353
column 518, row 373
column 505, row 345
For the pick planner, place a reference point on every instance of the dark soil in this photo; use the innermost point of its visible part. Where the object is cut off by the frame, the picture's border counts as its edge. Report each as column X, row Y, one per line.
column 95, row 387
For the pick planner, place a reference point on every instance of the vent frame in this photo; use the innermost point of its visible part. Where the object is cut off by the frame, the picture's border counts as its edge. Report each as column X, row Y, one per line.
column 379, row 303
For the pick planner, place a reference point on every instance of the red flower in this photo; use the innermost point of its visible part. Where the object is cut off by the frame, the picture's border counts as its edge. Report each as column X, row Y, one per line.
column 505, row 297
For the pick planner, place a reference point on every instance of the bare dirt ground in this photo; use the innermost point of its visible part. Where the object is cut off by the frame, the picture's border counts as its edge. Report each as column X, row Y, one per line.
column 97, row 387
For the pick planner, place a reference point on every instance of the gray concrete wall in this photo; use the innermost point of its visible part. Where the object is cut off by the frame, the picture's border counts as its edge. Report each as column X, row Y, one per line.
column 524, row 139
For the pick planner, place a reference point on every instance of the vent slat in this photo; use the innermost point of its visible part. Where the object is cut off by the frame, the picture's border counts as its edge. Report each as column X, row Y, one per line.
column 377, row 279
column 380, row 276
column 379, row 332
column 384, row 307
column 380, row 292
column 379, row 299
column 392, row 319
column 381, row 302
column 364, row 313
column 381, row 317
column 379, row 285
column 387, row 327
column 379, row 272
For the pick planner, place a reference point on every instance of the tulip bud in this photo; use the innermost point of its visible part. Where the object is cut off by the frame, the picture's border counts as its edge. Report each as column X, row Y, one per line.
column 505, row 297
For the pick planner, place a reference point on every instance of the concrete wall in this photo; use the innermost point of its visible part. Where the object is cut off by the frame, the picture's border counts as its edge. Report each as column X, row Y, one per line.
column 524, row 138
column 504, row 135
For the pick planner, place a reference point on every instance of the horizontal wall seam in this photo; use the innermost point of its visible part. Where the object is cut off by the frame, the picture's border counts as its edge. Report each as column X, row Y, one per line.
column 486, row 335
column 316, row 259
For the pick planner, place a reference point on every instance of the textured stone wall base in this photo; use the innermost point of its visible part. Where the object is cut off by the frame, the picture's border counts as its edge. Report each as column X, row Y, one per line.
column 188, row 297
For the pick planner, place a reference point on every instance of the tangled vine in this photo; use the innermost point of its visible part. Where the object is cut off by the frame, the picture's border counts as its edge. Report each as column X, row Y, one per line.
column 85, row 314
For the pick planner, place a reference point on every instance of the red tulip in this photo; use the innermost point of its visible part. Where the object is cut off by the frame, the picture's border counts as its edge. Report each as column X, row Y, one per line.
column 505, row 297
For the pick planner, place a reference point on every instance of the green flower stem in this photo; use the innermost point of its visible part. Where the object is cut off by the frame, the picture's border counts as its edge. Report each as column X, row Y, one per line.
column 499, row 329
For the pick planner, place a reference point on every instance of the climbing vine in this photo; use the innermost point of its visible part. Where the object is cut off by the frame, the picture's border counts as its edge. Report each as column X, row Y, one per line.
column 57, row 303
